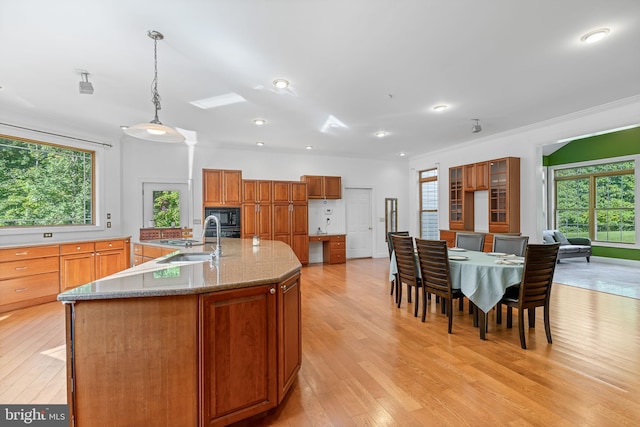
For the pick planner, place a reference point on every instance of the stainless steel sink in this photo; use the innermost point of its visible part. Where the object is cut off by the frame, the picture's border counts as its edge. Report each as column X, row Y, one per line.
column 190, row 257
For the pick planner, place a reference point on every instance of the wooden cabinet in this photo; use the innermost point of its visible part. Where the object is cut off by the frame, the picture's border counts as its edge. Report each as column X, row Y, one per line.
column 238, row 354
column 482, row 176
column 77, row 264
column 290, row 217
column 323, row 187
column 221, row 187
column 289, row 334
column 460, row 201
column 143, row 253
column 110, row 257
column 256, row 209
column 334, row 247
column 28, row 276
column 504, row 195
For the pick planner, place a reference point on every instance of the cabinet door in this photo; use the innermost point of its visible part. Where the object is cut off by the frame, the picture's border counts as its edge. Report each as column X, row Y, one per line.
column 289, row 333
column 300, row 245
column 76, row 270
column 264, row 221
column 238, row 354
column 232, row 188
column 315, row 186
column 299, row 192
column 281, row 192
column 469, row 175
column 282, row 223
column 332, row 187
column 249, row 191
column 211, row 187
column 109, row 262
column 249, row 214
column 482, row 176
column 264, row 192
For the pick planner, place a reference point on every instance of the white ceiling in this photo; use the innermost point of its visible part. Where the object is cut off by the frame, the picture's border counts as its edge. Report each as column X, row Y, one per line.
column 508, row 63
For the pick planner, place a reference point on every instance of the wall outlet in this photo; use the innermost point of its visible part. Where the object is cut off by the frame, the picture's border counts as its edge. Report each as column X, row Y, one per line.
column 108, row 224
column 47, row 235
column 108, row 216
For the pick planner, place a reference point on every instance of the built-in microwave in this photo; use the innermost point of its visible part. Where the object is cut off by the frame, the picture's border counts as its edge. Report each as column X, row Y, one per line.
column 229, row 222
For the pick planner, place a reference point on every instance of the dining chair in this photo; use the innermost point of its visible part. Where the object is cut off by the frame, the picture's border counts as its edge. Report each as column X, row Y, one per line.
column 470, row 241
column 515, row 245
column 433, row 260
column 407, row 269
column 533, row 291
column 390, row 247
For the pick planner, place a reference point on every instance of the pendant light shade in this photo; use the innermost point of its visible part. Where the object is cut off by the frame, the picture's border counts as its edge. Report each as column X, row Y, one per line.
column 155, row 130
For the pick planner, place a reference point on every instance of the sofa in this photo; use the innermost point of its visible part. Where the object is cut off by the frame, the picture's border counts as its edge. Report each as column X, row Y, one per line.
column 572, row 247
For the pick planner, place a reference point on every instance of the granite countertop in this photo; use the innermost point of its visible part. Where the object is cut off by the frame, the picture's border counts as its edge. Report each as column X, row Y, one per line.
column 241, row 265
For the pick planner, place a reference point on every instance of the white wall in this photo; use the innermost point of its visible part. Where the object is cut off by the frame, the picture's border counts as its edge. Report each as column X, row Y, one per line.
column 527, row 144
column 148, row 161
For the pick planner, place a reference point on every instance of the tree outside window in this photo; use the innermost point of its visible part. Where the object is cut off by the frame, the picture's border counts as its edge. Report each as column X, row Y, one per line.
column 166, row 208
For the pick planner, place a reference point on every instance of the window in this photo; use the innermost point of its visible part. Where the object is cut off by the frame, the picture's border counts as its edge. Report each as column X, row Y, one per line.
column 429, row 204
column 165, row 204
column 166, row 208
column 43, row 184
column 597, row 201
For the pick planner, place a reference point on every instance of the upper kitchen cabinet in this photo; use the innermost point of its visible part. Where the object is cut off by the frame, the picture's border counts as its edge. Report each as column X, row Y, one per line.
column 221, row 187
column 256, row 191
column 460, row 201
column 504, row 195
column 323, row 187
column 476, row 176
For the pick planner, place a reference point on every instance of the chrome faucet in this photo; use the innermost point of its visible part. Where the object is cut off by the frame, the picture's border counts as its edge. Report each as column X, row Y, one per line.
column 218, row 250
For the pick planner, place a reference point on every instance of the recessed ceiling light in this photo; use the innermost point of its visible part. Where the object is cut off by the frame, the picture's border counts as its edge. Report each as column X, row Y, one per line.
column 595, row 35
column 259, row 122
column 259, row 143
column 309, row 147
column 381, row 134
column 402, row 154
column 440, row 107
column 281, row 83
column 124, row 127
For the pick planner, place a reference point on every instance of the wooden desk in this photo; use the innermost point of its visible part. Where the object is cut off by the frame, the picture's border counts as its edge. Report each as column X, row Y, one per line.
column 334, row 249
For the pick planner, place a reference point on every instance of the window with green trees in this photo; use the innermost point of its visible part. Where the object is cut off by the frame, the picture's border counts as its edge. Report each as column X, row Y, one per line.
column 44, row 184
column 597, row 201
column 166, row 208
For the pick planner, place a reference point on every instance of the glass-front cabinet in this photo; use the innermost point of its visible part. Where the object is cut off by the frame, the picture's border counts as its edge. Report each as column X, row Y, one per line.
column 504, row 195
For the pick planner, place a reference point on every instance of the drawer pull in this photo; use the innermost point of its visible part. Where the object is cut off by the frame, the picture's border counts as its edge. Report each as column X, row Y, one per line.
column 77, row 248
column 21, row 253
column 20, row 289
column 20, row 268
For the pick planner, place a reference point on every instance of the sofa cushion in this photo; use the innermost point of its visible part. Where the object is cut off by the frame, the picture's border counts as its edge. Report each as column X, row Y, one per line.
column 547, row 236
column 568, row 249
column 560, row 238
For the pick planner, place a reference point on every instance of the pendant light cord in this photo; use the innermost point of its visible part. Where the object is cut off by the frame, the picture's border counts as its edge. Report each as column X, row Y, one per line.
column 154, row 91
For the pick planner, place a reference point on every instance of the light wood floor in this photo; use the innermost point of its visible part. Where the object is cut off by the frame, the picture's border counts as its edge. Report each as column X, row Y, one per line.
column 365, row 362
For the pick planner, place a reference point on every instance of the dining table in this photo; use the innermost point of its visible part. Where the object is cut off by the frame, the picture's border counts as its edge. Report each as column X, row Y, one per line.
column 482, row 277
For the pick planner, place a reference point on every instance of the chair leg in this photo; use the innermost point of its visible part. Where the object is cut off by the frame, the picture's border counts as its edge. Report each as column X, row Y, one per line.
column 523, row 343
column 509, row 317
column 499, row 314
column 547, row 326
column 444, row 305
column 532, row 317
column 417, row 303
column 408, row 293
column 461, row 304
column 393, row 285
column 450, row 312
column 399, row 292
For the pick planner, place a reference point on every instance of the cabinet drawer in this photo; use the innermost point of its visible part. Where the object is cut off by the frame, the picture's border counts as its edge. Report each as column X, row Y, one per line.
column 318, row 238
column 337, row 246
column 26, row 288
column 29, row 267
column 16, row 254
column 155, row 251
column 137, row 250
column 76, row 248
column 109, row 244
column 340, row 238
column 337, row 257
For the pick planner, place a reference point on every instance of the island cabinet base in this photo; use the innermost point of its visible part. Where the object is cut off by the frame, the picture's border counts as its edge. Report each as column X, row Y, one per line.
column 133, row 361
column 188, row 360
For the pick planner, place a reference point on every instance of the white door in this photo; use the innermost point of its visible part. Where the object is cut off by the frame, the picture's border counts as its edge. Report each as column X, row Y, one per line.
column 359, row 226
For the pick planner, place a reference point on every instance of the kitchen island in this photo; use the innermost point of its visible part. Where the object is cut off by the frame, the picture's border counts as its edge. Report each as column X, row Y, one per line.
column 187, row 343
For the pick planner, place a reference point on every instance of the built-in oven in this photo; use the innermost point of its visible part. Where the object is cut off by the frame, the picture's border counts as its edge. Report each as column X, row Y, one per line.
column 229, row 222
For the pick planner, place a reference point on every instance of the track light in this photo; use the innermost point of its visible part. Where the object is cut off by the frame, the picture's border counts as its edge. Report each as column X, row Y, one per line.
column 475, row 128
column 85, row 85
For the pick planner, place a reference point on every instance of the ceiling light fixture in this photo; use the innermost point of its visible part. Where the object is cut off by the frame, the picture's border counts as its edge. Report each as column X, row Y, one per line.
column 259, row 143
column 595, row 35
column 402, row 154
column 309, row 147
column 381, row 134
column 281, row 83
column 259, row 122
column 155, row 130
column 475, row 128
column 86, row 87
column 440, row 108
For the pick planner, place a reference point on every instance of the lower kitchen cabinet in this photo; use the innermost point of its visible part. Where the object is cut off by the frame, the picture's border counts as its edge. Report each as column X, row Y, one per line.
column 289, row 334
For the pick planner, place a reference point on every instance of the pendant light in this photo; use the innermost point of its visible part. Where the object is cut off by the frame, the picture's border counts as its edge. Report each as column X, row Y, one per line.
column 155, row 130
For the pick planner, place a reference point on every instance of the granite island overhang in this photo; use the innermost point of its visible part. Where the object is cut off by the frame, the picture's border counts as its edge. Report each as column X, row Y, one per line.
column 188, row 344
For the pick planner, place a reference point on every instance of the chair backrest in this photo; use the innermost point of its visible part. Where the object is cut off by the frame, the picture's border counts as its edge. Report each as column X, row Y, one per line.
column 405, row 259
column 515, row 245
column 537, row 277
column 390, row 242
column 434, row 265
column 470, row 241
